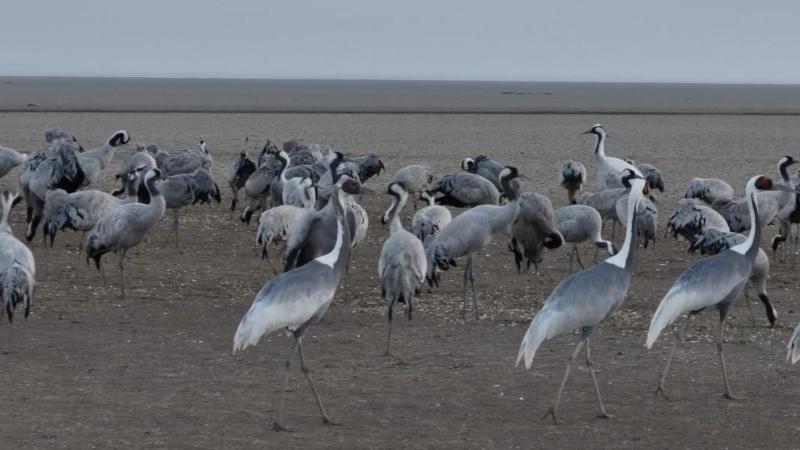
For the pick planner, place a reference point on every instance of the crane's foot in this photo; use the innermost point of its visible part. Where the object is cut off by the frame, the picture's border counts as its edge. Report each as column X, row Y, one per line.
column 278, row 427
column 329, row 421
column 552, row 413
column 661, row 390
column 604, row 415
column 729, row 396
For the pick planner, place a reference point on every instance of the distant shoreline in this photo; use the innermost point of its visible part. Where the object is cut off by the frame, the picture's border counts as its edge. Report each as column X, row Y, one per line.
column 224, row 95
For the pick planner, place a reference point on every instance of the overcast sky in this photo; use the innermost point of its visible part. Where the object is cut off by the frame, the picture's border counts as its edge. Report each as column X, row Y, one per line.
column 607, row 40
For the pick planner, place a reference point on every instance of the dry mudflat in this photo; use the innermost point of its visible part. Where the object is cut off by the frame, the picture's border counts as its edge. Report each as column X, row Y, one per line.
column 156, row 371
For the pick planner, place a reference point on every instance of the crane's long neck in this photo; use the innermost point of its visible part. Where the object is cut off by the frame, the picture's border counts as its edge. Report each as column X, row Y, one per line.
column 624, row 259
column 508, row 190
column 503, row 216
column 749, row 247
column 782, row 165
column 336, row 259
column 157, row 204
column 284, row 162
column 600, row 147
column 394, row 222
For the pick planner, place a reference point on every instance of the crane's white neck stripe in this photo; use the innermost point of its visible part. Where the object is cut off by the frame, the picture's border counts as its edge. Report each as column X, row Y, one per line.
column 745, row 246
column 633, row 202
column 329, row 259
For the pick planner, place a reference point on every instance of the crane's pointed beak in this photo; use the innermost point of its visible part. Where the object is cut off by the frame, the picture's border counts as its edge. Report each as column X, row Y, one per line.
column 524, row 178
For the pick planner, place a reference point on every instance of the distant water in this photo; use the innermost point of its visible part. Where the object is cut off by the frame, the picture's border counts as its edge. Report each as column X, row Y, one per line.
column 232, row 95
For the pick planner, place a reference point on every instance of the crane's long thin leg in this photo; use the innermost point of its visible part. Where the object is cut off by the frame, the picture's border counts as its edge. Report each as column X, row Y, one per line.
column 721, row 351
column 278, row 425
column 175, row 228
column 749, row 304
column 578, row 257
column 466, row 279
column 472, row 286
column 590, row 366
column 389, row 333
column 572, row 256
column 307, row 372
column 553, row 411
column 678, row 339
column 122, row 272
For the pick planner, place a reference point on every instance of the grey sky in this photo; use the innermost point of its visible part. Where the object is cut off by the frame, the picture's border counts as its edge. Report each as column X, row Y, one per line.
column 609, row 40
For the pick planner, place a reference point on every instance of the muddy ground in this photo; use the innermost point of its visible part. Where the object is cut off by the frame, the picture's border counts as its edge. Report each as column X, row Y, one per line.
column 156, row 371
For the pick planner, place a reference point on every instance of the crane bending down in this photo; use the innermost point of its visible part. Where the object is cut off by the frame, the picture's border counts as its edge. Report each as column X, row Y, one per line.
column 402, row 265
column 584, row 300
column 715, row 282
column 297, row 299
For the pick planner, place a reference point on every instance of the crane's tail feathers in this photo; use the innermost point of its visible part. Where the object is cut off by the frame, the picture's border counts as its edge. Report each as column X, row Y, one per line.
column 540, row 330
column 553, row 240
column 793, row 349
column 16, row 286
column 667, row 312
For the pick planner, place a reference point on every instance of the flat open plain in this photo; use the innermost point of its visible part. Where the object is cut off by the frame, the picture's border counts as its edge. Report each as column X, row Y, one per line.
column 156, row 371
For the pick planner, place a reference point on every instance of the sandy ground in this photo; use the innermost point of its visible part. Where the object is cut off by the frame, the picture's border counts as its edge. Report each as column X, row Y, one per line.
column 156, row 371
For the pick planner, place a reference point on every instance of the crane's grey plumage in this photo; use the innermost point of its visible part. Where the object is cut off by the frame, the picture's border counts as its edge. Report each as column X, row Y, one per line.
column 470, row 232
column 257, row 186
column 609, row 169
column 78, row 211
column 297, row 299
column 430, row 219
column 605, row 202
column 315, row 171
column 93, row 162
column 9, row 159
column 571, row 177
column 788, row 215
column 184, row 190
column 532, row 230
column 275, row 224
column 464, row 189
column 691, row 218
column 186, row 161
column 17, row 266
column 646, row 218
column 125, row 226
column 402, row 265
column 580, row 223
column 785, row 195
column 709, row 190
column 651, row 174
column 54, row 135
column 140, row 157
column 713, row 282
column 488, row 168
column 735, row 212
column 416, row 178
column 584, row 300
column 237, row 175
column 266, row 153
column 365, row 166
column 793, row 349
column 713, row 241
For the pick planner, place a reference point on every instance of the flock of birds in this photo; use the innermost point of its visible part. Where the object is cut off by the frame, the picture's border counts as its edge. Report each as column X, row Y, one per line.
column 308, row 195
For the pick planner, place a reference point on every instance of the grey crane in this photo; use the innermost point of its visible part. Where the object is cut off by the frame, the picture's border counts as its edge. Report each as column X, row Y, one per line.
column 10, row 158
column 266, row 153
column 609, row 169
column 315, row 171
column 186, row 189
column 186, row 161
column 140, row 157
column 258, row 184
column 712, row 282
column 650, row 173
column 488, row 168
column 17, row 266
column 464, row 189
column 786, row 198
column 735, row 212
column 237, row 175
column 469, row 233
column 125, row 226
column 365, row 166
column 297, row 299
column 532, row 230
column 430, row 219
column 93, row 162
column 709, row 190
column 793, row 349
column 691, row 218
column 54, row 135
column 62, row 170
column 788, row 215
column 275, row 223
column 605, row 202
column 78, row 211
column 580, row 223
column 402, row 265
column 584, row 300
column 646, row 218
column 571, row 177
column 713, row 241
column 416, row 178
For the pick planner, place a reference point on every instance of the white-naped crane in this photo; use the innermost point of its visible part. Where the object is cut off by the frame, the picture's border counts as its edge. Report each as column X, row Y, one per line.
column 469, row 233
column 297, row 299
column 430, row 219
column 275, row 224
column 126, row 226
column 609, row 169
column 584, row 300
column 572, row 176
column 402, row 265
column 713, row 282
column 17, row 266
column 238, row 173
column 581, row 223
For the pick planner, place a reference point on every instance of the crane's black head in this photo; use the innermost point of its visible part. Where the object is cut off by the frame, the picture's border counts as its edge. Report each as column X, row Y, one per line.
column 337, row 160
column 597, row 129
column 119, row 138
column 628, row 175
column 468, row 164
column 397, row 190
column 243, row 155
